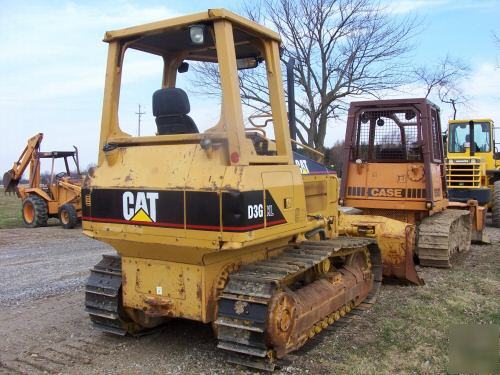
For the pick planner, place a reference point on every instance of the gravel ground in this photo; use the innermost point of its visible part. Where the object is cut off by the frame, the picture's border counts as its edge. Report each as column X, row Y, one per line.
column 43, row 262
column 45, row 330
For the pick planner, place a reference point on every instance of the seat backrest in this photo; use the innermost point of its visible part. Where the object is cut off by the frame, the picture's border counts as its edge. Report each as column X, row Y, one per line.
column 170, row 108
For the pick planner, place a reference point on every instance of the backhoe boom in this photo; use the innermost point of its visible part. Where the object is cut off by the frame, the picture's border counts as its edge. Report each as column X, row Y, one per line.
column 12, row 177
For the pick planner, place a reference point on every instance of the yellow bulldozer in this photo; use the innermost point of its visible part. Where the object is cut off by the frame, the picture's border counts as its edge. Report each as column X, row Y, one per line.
column 227, row 226
column 59, row 197
column 230, row 225
column 473, row 164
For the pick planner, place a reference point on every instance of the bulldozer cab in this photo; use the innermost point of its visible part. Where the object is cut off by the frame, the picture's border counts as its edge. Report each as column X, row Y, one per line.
column 394, row 157
column 223, row 43
column 227, row 179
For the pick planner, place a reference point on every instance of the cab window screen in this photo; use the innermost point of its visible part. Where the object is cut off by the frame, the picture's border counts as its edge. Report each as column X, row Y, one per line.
column 390, row 136
column 436, row 137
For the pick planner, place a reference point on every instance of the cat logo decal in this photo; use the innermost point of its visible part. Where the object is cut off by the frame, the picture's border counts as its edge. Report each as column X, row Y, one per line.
column 139, row 206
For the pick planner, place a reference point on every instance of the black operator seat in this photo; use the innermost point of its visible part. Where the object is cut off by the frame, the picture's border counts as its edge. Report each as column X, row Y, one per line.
column 170, row 107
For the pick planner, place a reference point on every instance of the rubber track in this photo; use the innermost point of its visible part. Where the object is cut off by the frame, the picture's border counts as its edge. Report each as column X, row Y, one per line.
column 254, row 285
column 103, row 295
column 441, row 235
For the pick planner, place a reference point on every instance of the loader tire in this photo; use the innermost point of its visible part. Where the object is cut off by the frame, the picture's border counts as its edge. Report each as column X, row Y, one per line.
column 35, row 212
column 495, row 210
column 68, row 216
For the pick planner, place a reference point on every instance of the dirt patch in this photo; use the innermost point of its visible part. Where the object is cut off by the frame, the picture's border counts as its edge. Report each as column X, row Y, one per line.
column 45, row 330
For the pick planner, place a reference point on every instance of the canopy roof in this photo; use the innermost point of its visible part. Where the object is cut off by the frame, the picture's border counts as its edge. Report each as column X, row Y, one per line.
column 172, row 36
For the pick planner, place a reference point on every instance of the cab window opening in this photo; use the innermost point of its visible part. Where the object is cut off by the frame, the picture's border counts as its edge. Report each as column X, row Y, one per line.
column 158, row 71
column 388, row 136
column 459, row 138
column 177, row 109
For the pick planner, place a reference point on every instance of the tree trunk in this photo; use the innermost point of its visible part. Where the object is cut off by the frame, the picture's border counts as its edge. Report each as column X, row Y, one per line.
column 454, row 109
column 320, row 138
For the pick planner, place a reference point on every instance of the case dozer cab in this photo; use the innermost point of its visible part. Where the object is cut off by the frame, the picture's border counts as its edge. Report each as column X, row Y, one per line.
column 394, row 167
column 217, row 226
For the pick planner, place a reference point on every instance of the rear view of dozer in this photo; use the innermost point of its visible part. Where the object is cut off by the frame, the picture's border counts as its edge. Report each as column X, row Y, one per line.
column 217, row 226
column 59, row 197
column 394, row 167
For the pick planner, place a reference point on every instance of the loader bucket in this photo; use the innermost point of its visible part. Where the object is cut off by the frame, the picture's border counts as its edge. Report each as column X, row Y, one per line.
column 9, row 183
column 395, row 239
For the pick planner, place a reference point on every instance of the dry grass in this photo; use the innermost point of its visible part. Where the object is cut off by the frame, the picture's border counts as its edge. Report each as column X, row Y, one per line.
column 407, row 330
column 10, row 211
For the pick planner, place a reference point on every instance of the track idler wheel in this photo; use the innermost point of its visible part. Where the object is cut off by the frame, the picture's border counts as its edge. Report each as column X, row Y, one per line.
column 282, row 318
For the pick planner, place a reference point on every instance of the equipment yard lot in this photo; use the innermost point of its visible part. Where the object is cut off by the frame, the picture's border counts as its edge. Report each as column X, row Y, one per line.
column 45, row 330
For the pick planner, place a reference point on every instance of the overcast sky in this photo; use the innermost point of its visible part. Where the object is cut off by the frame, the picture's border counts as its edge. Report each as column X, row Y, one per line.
column 52, row 65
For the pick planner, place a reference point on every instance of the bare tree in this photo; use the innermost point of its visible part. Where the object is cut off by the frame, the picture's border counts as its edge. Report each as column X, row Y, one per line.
column 496, row 39
column 444, row 81
column 443, row 75
column 342, row 48
column 334, row 157
column 453, row 96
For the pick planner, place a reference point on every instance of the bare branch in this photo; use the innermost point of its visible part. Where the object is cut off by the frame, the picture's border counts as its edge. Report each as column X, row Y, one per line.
column 453, row 96
column 342, row 49
column 445, row 74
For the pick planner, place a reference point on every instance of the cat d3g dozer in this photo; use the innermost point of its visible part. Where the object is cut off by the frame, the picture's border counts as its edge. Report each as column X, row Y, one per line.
column 217, row 226
column 59, row 197
column 394, row 167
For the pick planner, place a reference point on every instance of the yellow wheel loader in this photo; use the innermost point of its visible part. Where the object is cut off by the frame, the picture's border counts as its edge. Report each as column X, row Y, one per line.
column 61, row 195
column 227, row 226
column 473, row 165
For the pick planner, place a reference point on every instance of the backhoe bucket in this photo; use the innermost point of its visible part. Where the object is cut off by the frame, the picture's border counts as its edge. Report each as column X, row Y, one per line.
column 9, row 183
column 395, row 239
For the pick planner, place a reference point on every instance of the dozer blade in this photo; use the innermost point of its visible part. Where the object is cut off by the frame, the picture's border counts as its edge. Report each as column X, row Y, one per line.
column 478, row 219
column 9, row 183
column 395, row 239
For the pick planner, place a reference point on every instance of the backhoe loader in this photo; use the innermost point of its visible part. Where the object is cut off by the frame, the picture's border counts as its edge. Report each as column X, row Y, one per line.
column 59, row 197
column 228, row 225
column 394, row 167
